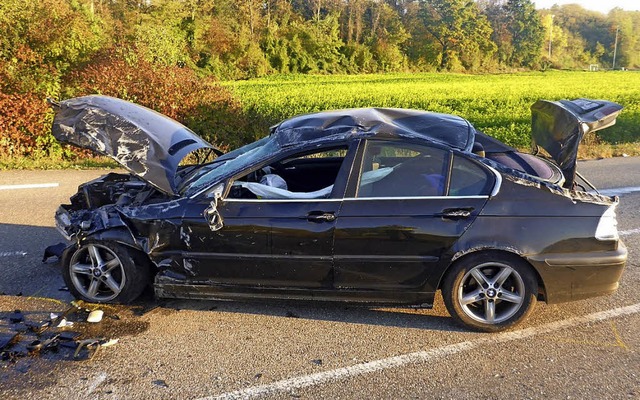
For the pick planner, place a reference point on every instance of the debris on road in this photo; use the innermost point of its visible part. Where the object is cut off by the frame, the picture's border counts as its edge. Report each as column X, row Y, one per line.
column 41, row 332
column 161, row 383
column 95, row 316
column 16, row 317
column 54, row 251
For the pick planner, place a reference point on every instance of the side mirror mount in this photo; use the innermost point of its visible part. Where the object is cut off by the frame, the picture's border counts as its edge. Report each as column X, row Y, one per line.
column 211, row 213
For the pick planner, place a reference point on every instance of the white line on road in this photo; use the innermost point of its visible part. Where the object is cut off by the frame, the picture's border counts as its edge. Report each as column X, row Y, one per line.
column 12, row 253
column 29, row 186
column 629, row 232
column 619, row 191
column 319, row 378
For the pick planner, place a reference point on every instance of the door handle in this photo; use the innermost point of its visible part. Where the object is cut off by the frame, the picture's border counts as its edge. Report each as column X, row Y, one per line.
column 456, row 213
column 321, row 217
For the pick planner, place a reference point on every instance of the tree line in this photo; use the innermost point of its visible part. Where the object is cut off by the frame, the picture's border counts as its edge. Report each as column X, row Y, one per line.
column 142, row 49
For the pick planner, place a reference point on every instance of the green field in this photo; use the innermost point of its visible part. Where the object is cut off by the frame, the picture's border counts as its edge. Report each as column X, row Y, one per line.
column 496, row 104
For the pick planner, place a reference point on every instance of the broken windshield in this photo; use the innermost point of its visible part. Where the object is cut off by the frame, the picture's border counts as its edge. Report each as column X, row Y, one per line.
column 227, row 164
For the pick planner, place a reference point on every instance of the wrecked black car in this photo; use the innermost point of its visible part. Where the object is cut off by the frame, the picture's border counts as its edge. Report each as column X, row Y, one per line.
column 374, row 206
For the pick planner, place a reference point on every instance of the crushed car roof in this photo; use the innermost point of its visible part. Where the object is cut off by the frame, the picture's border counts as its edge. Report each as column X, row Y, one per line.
column 147, row 143
column 448, row 129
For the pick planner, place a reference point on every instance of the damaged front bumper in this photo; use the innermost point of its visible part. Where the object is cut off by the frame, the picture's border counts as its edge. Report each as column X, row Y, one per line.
column 77, row 224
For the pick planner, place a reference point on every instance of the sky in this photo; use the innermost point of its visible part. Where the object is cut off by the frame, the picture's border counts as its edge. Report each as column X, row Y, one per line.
column 596, row 5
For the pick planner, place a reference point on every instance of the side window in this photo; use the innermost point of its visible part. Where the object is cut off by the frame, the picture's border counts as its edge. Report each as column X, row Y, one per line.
column 402, row 170
column 301, row 176
column 469, row 179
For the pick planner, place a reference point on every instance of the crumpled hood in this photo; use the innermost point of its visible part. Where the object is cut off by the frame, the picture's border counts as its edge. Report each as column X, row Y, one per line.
column 147, row 143
column 559, row 126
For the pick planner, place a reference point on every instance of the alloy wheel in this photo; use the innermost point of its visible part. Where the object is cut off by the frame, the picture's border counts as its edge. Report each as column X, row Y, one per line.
column 491, row 293
column 97, row 273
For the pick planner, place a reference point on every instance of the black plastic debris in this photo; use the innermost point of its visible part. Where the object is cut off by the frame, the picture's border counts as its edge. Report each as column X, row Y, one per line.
column 317, row 361
column 11, row 356
column 7, row 341
column 16, row 317
column 68, row 336
column 161, row 383
column 54, row 251
column 37, row 327
column 49, row 344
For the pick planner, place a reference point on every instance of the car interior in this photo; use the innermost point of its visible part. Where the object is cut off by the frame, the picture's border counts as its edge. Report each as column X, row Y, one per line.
column 310, row 175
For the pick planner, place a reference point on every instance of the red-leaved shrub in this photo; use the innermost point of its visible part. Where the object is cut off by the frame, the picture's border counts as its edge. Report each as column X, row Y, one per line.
column 200, row 103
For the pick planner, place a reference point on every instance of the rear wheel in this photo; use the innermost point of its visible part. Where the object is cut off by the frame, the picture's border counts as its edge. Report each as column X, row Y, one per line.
column 490, row 292
column 106, row 272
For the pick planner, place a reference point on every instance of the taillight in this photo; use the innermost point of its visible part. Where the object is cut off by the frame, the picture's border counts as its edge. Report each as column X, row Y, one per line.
column 608, row 225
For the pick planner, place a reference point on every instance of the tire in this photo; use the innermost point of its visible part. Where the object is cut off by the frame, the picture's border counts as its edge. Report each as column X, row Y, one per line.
column 106, row 272
column 490, row 292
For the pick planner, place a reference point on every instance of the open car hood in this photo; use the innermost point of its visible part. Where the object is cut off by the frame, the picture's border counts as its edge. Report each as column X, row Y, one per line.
column 146, row 143
column 559, row 126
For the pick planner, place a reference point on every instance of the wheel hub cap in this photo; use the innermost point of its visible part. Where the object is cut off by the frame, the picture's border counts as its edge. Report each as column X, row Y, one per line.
column 491, row 293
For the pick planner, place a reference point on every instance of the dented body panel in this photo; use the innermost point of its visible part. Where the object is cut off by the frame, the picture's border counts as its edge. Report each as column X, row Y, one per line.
column 147, row 143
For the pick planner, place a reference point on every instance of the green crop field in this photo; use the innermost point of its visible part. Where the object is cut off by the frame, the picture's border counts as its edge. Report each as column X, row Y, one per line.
column 496, row 104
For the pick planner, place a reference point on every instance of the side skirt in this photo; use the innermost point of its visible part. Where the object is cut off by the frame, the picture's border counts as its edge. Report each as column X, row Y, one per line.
column 230, row 292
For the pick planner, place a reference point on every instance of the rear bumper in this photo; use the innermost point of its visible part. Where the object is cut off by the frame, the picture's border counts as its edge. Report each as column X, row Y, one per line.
column 575, row 276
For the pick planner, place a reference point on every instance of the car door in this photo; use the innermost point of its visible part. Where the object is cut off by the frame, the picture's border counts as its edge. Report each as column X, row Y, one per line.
column 277, row 238
column 410, row 204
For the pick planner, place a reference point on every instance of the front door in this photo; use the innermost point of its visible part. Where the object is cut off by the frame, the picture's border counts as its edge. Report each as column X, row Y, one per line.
column 278, row 223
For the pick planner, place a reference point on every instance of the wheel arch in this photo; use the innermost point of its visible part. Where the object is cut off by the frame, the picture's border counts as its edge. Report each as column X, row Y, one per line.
column 120, row 236
column 499, row 252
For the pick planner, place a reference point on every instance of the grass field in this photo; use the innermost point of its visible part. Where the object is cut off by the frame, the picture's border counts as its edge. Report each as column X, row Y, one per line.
column 496, row 104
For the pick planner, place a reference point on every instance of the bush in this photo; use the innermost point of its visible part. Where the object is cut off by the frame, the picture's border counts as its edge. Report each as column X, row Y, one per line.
column 202, row 104
column 23, row 119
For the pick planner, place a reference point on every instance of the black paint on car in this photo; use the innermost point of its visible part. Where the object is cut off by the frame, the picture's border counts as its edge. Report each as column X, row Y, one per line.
column 373, row 206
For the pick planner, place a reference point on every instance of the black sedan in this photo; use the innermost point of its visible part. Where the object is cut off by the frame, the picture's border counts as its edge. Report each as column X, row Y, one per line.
column 374, row 206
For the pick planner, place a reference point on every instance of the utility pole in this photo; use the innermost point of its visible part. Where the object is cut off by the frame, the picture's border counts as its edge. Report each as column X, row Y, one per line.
column 551, row 35
column 615, row 47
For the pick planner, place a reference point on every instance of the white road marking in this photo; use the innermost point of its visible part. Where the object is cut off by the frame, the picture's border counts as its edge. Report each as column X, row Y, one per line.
column 619, row 191
column 319, row 378
column 12, row 253
column 629, row 232
column 29, row 186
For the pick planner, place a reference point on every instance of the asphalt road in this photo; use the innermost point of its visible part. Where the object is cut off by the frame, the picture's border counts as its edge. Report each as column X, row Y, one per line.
column 200, row 349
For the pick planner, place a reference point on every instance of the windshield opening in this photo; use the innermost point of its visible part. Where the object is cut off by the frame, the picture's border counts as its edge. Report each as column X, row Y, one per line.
column 227, row 164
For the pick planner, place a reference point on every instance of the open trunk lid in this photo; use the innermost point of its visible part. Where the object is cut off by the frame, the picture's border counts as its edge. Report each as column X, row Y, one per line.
column 559, row 126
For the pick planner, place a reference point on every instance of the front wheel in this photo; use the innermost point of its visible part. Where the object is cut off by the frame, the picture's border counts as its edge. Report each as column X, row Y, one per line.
column 489, row 292
column 105, row 272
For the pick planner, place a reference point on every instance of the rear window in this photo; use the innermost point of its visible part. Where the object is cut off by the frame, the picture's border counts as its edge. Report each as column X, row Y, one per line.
column 469, row 179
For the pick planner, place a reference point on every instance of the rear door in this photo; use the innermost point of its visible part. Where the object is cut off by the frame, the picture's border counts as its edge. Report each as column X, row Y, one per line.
column 409, row 204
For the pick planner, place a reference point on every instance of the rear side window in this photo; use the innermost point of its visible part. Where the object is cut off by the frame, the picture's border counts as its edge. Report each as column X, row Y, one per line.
column 469, row 179
column 402, row 170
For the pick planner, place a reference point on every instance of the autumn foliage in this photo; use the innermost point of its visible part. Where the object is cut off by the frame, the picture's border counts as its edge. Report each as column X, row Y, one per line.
column 200, row 103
